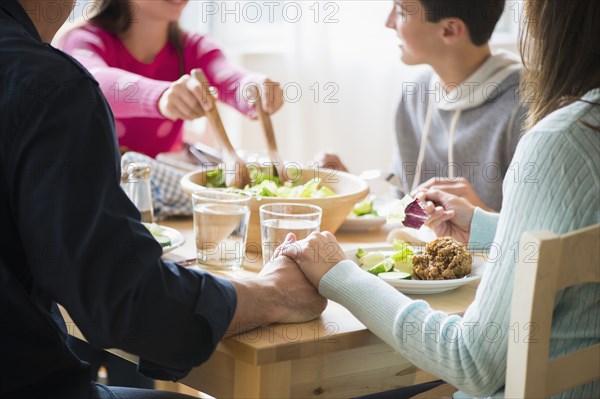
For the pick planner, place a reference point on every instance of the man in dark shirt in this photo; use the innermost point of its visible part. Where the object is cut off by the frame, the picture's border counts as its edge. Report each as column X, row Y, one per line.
column 71, row 236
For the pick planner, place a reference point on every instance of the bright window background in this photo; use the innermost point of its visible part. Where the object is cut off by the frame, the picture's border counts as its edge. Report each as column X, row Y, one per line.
column 338, row 63
column 340, row 55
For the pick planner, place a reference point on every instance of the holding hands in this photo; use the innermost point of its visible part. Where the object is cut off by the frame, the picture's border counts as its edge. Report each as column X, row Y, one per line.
column 315, row 255
column 300, row 300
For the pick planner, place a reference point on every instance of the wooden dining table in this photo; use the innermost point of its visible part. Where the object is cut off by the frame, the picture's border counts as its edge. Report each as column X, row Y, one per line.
column 334, row 356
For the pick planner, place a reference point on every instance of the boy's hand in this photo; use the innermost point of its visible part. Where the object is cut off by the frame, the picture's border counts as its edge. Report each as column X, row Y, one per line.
column 330, row 161
column 457, row 186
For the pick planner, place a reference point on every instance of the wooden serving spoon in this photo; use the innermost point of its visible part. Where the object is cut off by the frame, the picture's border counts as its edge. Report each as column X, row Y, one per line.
column 242, row 176
column 265, row 119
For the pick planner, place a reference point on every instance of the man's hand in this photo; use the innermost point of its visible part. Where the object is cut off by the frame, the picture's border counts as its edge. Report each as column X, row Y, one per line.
column 300, row 301
column 280, row 294
column 315, row 255
column 449, row 215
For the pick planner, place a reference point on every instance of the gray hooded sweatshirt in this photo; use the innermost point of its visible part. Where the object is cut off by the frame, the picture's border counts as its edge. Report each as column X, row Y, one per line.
column 469, row 130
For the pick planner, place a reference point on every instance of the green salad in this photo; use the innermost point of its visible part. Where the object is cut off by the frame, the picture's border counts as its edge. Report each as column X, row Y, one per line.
column 397, row 264
column 264, row 185
column 364, row 209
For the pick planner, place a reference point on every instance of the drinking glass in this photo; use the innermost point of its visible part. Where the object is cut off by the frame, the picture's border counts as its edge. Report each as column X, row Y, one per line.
column 279, row 219
column 220, row 227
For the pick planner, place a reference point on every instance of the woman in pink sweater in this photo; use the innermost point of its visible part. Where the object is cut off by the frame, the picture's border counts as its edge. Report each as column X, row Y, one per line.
column 142, row 60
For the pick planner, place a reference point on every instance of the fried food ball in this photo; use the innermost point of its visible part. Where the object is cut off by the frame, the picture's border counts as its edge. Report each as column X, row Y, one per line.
column 443, row 259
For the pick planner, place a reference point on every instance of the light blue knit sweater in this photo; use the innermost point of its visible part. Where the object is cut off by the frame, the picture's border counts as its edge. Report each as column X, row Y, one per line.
column 553, row 184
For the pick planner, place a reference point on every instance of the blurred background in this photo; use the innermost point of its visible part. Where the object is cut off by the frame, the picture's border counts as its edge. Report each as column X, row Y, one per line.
column 337, row 62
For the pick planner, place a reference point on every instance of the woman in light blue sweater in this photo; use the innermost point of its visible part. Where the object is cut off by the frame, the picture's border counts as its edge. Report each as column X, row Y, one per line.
column 562, row 194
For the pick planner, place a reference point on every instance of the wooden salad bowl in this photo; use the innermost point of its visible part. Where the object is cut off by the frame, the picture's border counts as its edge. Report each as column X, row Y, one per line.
column 349, row 190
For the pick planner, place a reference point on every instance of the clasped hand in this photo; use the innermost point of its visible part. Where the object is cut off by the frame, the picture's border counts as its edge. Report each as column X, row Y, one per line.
column 293, row 275
column 314, row 256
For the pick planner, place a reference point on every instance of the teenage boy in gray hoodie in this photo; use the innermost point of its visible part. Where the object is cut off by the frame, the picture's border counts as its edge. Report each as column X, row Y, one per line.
column 458, row 123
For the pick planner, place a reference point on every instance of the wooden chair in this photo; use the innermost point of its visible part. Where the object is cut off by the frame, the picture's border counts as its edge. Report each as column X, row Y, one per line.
column 561, row 262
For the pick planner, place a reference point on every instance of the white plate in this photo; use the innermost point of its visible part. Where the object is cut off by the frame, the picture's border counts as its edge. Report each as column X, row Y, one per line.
column 362, row 223
column 368, row 222
column 426, row 286
column 177, row 239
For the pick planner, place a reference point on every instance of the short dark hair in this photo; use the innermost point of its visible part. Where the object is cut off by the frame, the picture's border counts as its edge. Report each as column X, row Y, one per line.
column 480, row 16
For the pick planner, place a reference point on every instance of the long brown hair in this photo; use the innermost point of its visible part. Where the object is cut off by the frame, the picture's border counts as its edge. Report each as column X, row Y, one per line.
column 116, row 16
column 561, row 52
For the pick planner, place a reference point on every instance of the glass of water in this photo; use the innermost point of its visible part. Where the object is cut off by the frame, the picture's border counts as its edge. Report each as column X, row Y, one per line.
column 279, row 219
column 220, row 227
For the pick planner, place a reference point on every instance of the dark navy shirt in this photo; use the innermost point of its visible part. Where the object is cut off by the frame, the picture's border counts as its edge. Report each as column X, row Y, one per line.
column 69, row 235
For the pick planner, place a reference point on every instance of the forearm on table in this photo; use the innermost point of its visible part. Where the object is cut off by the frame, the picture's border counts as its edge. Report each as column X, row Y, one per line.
column 353, row 288
column 422, row 335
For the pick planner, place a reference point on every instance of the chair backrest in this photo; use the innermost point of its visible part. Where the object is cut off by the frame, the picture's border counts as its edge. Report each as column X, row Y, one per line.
column 549, row 263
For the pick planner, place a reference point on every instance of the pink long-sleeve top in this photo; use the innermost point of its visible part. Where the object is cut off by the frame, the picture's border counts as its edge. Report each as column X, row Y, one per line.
column 133, row 88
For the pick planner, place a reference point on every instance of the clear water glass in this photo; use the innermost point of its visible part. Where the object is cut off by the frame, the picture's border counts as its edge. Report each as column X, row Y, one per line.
column 220, row 228
column 279, row 219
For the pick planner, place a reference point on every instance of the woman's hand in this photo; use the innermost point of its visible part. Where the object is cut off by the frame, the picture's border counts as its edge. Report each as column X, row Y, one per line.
column 457, row 186
column 449, row 215
column 315, row 255
column 184, row 99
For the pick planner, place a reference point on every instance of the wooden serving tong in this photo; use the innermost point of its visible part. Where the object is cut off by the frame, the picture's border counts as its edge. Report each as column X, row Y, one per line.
column 265, row 119
column 242, row 177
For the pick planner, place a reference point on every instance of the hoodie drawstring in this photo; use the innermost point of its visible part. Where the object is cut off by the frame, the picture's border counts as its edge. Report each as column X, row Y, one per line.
column 453, row 124
column 424, row 140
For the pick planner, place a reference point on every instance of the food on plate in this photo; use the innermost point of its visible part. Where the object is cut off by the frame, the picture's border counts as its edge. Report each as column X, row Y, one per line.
column 264, row 185
column 364, row 209
column 380, row 262
column 158, row 234
column 443, row 259
column 409, row 212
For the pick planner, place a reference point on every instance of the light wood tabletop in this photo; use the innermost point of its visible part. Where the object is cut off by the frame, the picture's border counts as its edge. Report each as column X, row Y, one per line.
column 334, row 356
